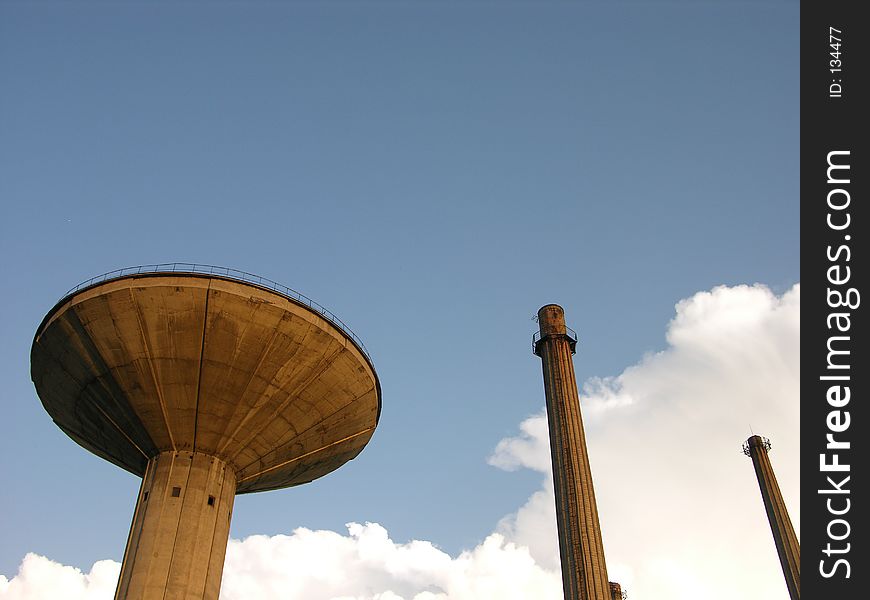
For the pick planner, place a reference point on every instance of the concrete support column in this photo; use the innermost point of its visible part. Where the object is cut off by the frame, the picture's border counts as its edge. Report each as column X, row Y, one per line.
column 787, row 545
column 180, row 529
column 584, row 573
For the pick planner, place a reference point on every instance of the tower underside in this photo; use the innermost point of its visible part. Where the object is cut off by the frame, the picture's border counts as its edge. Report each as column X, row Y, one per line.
column 143, row 365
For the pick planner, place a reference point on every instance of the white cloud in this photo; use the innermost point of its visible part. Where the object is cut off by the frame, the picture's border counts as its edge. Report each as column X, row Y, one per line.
column 39, row 578
column 323, row 565
column 681, row 513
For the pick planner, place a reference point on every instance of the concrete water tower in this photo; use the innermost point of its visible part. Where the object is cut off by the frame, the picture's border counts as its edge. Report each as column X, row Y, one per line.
column 207, row 383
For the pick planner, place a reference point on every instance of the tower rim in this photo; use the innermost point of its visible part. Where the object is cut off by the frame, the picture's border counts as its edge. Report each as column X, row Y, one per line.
column 209, row 272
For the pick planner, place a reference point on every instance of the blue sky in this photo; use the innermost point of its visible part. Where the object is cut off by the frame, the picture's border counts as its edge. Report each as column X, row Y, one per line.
column 433, row 172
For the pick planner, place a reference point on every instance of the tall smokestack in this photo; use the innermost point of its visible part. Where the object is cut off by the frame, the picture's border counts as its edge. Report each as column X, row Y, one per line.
column 787, row 545
column 616, row 591
column 584, row 574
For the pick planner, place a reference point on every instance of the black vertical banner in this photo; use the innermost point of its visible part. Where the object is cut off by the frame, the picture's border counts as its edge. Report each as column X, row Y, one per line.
column 835, row 373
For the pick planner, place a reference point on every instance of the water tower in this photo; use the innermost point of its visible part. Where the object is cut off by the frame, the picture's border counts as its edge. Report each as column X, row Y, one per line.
column 207, row 383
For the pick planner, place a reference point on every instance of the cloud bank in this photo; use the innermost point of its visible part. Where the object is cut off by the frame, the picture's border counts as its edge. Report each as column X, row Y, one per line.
column 41, row 578
column 365, row 564
column 680, row 509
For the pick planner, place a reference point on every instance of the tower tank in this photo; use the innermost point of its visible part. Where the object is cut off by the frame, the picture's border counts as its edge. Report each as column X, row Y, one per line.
column 206, row 382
